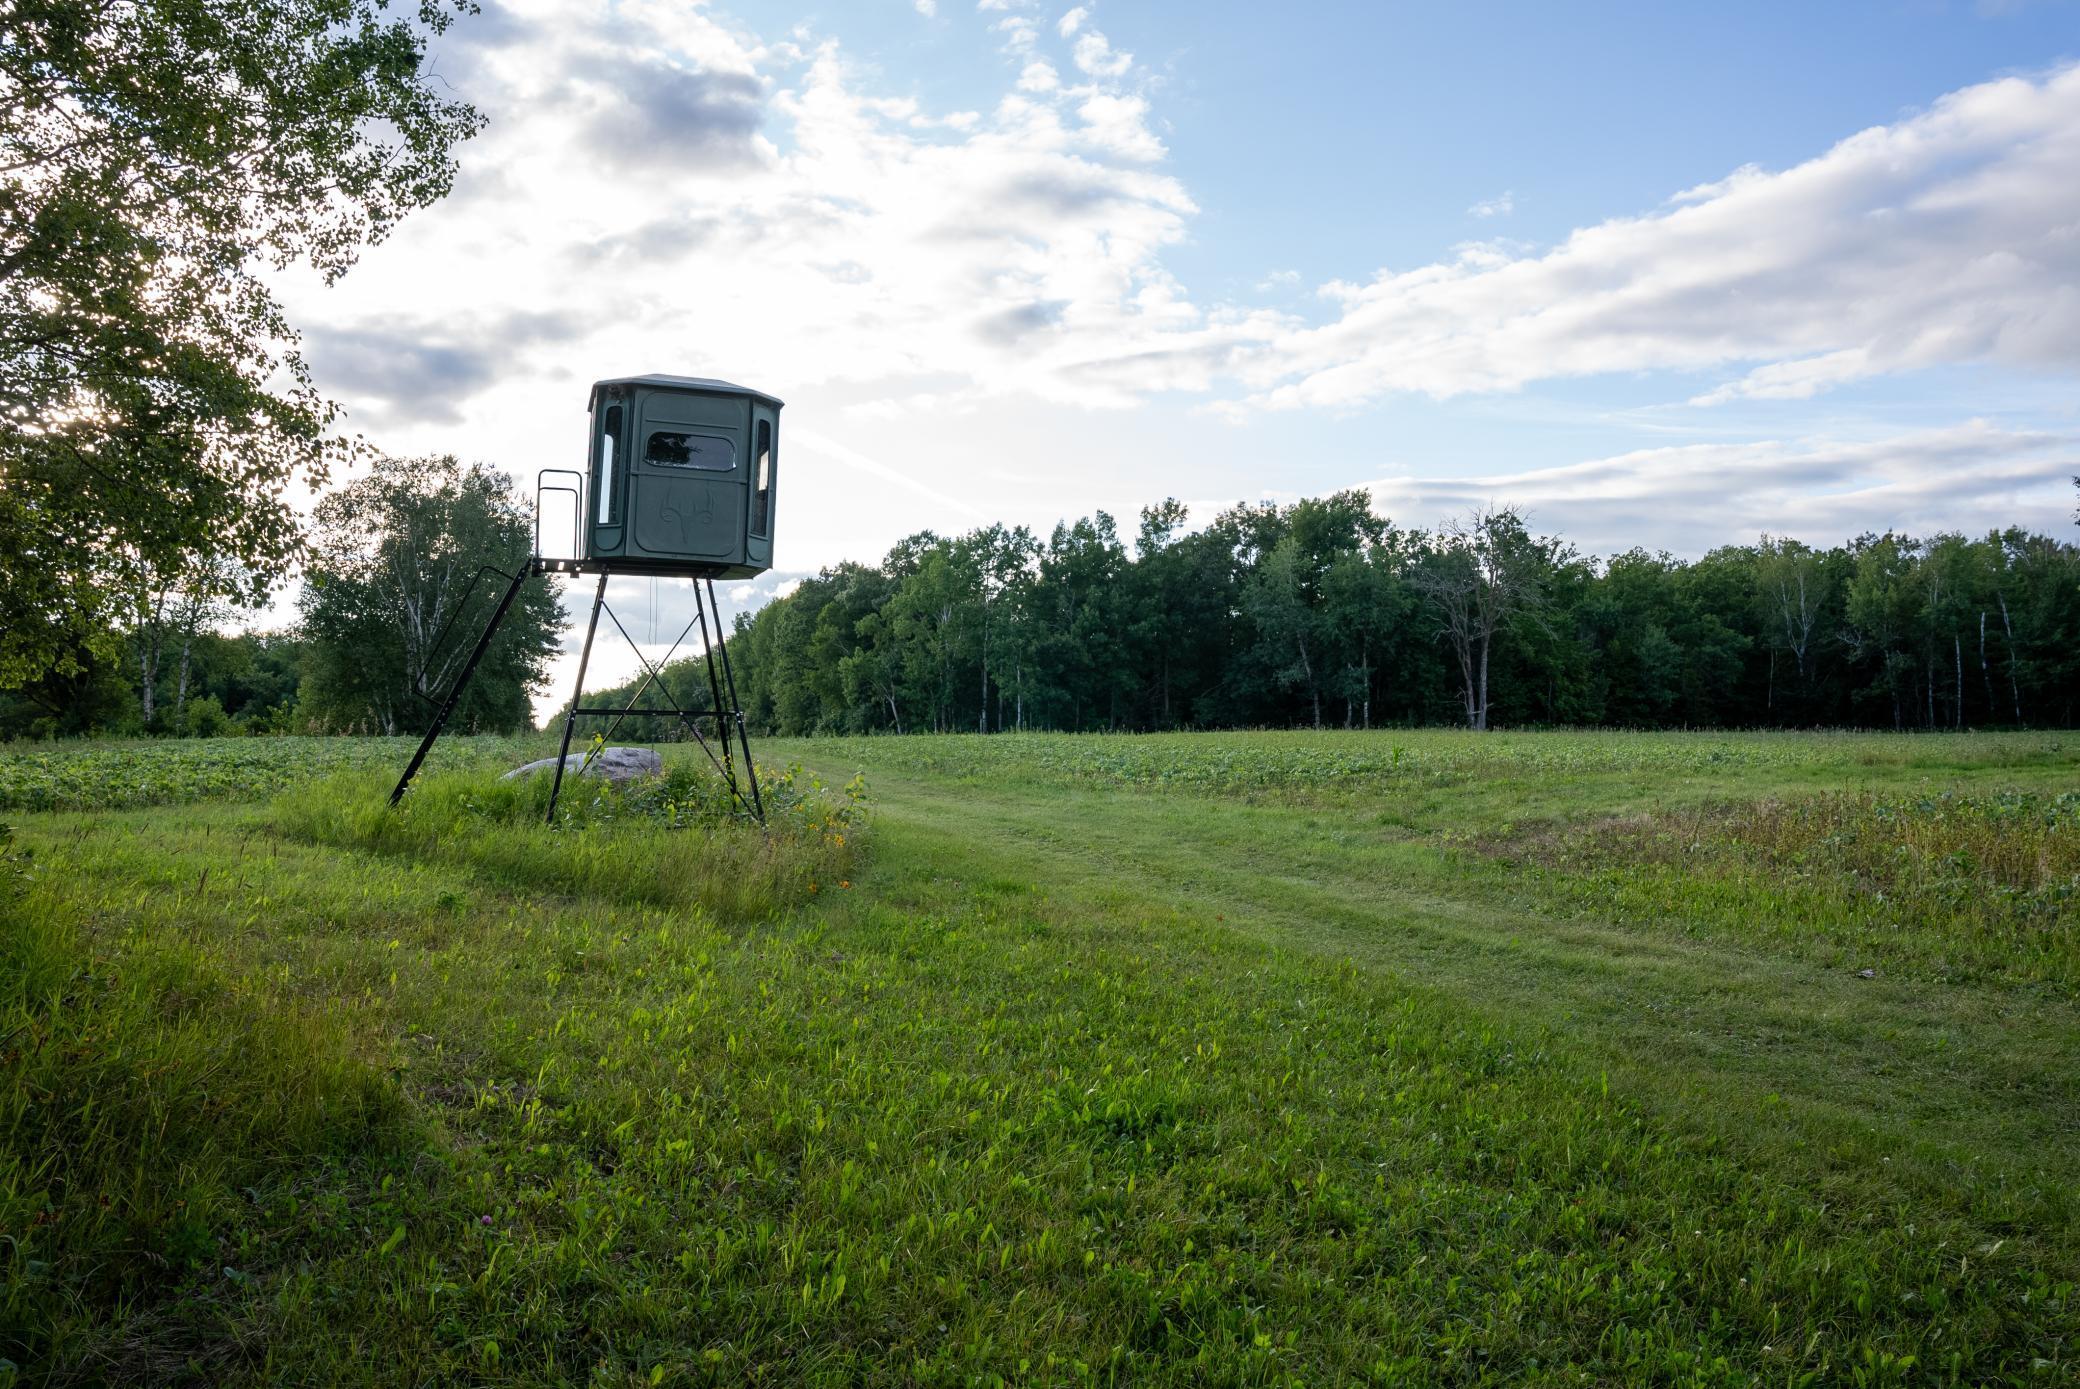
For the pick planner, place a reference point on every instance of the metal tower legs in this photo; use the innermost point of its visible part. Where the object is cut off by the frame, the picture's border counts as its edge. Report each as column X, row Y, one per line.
column 719, row 649
column 729, row 717
column 599, row 599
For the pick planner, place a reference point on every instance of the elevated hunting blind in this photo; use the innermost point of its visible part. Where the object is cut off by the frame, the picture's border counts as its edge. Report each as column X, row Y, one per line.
column 682, row 477
column 680, row 481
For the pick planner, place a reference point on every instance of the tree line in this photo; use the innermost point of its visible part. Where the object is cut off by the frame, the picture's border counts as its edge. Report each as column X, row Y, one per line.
column 1324, row 614
column 405, row 567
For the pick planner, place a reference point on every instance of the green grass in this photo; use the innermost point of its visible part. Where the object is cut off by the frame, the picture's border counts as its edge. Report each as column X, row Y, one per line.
column 675, row 841
column 1399, row 1058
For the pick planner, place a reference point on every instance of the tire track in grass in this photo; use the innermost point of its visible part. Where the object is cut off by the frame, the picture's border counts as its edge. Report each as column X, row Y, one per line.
column 1964, row 1096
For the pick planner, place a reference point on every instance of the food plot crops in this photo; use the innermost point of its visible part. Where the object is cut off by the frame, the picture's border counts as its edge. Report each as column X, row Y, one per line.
column 1948, row 856
column 126, row 775
column 1345, row 762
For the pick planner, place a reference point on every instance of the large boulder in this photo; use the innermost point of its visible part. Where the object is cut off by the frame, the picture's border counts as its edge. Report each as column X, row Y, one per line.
column 615, row 764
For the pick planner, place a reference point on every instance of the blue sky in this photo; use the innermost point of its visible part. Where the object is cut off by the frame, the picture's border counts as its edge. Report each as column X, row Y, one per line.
column 1665, row 275
column 1335, row 138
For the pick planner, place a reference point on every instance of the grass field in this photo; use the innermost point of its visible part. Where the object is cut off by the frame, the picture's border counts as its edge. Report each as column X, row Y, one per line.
column 1211, row 1059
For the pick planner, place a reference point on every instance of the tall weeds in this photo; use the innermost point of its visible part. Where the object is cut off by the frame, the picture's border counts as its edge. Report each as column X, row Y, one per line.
column 1956, row 883
column 673, row 841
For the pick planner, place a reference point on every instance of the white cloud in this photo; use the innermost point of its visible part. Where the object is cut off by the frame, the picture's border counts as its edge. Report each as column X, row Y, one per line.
column 791, row 224
column 1018, row 31
column 1795, row 380
column 1095, row 55
column 1116, row 125
column 916, row 403
column 928, row 8
column 1971, row 477
column 1501, row 205
column 1073, row 20
column 1019, row 250
column 853, row 458
column 770, row 212
column 1950, row 236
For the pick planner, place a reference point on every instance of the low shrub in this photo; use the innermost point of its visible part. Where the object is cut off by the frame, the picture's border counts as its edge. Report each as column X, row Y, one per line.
column 677, row 840
column 205, row 718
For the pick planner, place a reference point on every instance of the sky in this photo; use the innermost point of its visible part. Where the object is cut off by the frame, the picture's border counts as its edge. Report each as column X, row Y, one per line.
column 1666, row 276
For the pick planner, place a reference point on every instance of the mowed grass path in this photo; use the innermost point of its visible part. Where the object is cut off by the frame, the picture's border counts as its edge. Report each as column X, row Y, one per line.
column 1854, row 1050
column 1238, row 1059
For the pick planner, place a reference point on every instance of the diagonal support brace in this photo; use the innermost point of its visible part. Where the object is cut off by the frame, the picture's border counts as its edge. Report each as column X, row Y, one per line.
column 440, row 719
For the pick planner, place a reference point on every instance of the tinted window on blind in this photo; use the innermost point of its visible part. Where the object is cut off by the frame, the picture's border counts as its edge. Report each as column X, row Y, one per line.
column 762, row 498
column 609, row 445
column 673, row 450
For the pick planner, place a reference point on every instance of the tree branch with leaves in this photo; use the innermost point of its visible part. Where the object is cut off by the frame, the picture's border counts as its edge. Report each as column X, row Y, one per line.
column 155, row 161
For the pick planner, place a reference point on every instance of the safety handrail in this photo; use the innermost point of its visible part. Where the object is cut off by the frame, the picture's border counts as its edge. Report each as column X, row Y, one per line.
column 577, row 495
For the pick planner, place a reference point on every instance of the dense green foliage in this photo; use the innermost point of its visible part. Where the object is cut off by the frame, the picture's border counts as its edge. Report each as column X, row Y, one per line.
column 1322, row 613
column 1991, row 881
column 237, row 682
column 1423, row 766
column 155, row 161
column 1329, row 1058
column 390, row 614
column 627, row 843
column 410, row 563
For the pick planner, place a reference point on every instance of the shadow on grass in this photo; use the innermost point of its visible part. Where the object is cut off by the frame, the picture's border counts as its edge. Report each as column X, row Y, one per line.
column 158, row 1109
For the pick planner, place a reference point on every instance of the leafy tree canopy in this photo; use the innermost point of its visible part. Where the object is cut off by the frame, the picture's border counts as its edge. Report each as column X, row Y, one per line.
column 156, row 158
column 395, row 600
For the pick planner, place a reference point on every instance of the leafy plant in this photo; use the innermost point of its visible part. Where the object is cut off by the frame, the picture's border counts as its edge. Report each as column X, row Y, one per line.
column 1949, row 883
column 111, row 775
column 14, row 863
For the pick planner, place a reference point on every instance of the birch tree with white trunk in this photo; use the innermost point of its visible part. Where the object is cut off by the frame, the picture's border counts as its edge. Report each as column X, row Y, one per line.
column 1484, row 571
